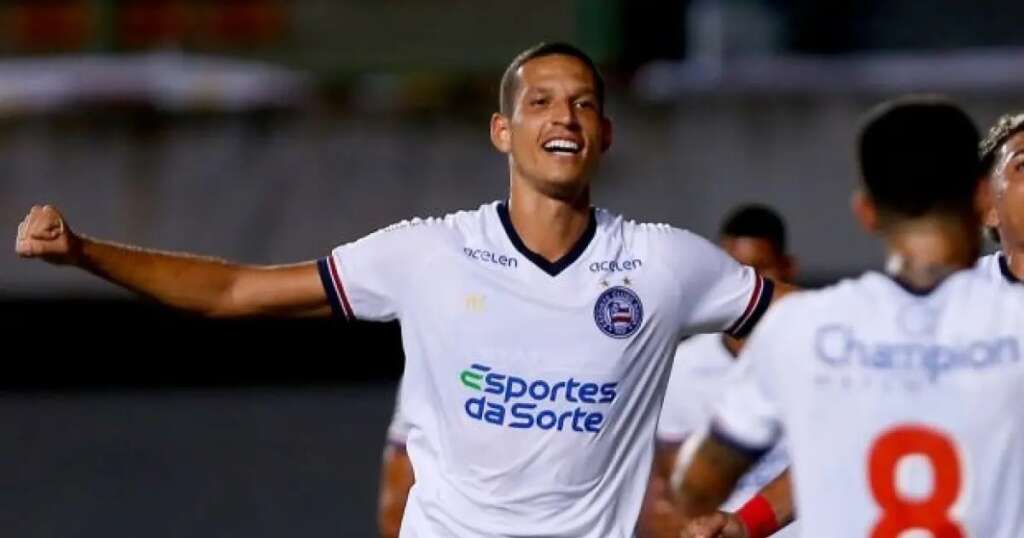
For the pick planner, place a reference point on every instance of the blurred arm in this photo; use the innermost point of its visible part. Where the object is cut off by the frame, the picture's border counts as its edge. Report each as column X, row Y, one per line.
column 779, row 494
column 208, row 286
column 396, row 478
column 711, row 477
column 658, row 515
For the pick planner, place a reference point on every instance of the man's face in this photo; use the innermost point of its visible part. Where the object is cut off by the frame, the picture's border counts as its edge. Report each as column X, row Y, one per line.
column 556, row 132
column 761, row 255
column 1007, row 213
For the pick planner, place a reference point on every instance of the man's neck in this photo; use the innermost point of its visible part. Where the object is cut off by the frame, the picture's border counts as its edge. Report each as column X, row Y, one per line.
column 548, row 226
column 1014, row 253
column 922, row 254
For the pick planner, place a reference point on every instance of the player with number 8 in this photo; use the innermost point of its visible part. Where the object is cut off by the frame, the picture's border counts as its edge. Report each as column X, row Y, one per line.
column 897, row 391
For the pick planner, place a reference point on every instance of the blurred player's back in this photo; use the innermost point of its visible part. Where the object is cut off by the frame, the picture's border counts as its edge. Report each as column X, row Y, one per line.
column 905, row 413
column 897, row 391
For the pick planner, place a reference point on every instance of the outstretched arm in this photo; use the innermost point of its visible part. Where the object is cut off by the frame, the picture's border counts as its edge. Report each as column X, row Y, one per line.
column 208, row 286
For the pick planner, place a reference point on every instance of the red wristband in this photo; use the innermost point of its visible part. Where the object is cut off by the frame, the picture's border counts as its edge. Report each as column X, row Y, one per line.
column 758, row 517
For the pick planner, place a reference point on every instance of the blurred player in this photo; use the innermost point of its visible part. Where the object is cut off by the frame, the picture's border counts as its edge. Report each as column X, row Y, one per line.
column 755, row 236
column 538, row 331
column 396, row 475
column 1002, row 160
column 1002, row 154
column 898, row 391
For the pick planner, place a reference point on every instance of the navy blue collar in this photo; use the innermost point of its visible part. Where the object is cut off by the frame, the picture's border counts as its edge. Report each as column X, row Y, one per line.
column 912, row 289
column 549, row 267
column 1004, row 268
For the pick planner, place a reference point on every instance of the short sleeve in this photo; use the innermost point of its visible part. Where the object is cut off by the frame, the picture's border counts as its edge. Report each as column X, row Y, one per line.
column 747, row 417
column 721, row 295
column 366, row 279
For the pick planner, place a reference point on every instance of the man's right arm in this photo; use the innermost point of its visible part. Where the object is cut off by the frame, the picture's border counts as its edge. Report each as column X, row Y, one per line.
column 208, row 286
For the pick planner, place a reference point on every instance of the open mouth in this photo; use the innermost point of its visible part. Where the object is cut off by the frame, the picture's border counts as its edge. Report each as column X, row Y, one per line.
column 562, row 146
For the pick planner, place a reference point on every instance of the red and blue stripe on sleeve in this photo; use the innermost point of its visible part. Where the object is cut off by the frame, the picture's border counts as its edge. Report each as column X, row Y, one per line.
column 760, row 298
column 331, row 279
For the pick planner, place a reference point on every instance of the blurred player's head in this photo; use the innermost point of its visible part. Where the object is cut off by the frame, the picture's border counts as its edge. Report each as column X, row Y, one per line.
column 755, row 235
column 919, row 167
column 551, row 120
column 1002, row 161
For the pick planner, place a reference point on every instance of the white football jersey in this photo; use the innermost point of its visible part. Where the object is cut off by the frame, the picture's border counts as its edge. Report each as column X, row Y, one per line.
column 902, row 410
column 698, row 379
column 996, row 268
column 532, row 388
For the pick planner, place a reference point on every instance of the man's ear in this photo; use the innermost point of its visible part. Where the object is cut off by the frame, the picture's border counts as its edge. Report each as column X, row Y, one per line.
column 864, row 210
column 501, row 137
column 606, row 134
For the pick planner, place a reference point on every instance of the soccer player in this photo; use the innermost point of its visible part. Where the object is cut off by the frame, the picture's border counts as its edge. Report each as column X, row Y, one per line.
column 1002, row 160
column 538, row 330
column 897, row 391
column 753, row 235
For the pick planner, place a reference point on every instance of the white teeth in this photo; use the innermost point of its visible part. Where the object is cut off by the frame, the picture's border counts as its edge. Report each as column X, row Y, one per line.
column 561, row 144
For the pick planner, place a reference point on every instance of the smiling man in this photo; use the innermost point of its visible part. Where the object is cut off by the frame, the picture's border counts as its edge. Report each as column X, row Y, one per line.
column 538, row 348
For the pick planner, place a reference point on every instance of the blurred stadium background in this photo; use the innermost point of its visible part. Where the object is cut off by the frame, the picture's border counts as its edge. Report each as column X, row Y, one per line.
column 272, row 130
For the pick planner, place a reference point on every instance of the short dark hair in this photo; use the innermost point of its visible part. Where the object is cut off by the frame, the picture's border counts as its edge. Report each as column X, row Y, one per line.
column 510, row 80
column 1004, row 129
column 757, row 221
column 918, row 156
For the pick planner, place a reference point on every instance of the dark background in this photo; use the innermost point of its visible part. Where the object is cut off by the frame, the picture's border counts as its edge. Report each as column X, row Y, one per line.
column 268, row 131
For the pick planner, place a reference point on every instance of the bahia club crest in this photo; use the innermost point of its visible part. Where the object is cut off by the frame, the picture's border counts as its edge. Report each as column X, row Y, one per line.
column 618, row 312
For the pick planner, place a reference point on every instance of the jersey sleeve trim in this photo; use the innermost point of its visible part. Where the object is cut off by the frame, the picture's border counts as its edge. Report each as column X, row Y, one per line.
column 1004, row 268
column 760, row 298
column 720, row 434
column 331, row 280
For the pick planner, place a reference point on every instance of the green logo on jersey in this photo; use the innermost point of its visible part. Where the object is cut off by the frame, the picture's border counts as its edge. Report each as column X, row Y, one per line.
column 472, row 379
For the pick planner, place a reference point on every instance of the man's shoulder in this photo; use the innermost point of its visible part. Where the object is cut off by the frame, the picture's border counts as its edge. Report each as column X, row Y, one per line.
column 664, row 240
column 978, row 291
column 619, row 223
column 802, row 307
column 451, row 225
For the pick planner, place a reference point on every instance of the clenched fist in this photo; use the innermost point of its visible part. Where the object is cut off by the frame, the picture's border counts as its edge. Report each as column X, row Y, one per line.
column 44, row 234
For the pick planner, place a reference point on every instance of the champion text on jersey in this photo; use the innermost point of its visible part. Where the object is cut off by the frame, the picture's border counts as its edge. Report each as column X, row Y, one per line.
column 839, row 346
column 618, row 312
column 515, row 402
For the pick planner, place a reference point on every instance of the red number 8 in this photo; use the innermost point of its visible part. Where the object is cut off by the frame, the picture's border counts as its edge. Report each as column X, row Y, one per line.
column 900, row 514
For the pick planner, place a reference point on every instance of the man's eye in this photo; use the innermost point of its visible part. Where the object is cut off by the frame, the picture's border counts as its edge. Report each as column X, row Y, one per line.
column 540, row 101
column 585, row 104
